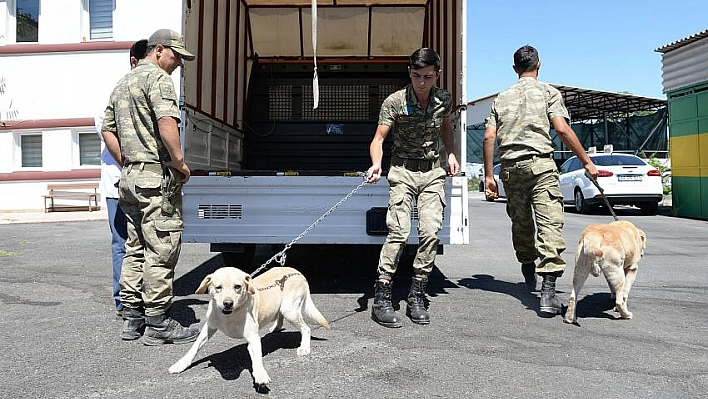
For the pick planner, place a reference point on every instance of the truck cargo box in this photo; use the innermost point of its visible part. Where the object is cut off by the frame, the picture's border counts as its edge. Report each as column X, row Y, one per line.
column 266, row 162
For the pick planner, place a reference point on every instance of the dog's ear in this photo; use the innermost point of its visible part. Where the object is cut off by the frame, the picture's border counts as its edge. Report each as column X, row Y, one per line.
column 643, row 236
column 204, row 285
column 249, row 286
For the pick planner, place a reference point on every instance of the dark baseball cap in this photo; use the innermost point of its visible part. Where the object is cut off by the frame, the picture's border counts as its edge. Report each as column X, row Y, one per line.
column 171, row 39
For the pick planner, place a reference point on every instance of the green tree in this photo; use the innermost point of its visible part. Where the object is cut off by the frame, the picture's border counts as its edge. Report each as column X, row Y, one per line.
column 665, row 177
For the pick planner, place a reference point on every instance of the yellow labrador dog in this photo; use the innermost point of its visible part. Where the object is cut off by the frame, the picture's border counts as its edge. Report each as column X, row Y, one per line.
column 615, row 249
column 241, row 306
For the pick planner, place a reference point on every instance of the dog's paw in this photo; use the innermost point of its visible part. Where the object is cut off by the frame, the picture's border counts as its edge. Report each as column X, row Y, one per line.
column 628, row 315
column 261, row 378
column 302, row 351
column 178, row 367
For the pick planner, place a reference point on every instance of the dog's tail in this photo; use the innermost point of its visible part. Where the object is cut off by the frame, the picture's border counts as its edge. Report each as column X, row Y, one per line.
column 590, row 251
column 313, row 313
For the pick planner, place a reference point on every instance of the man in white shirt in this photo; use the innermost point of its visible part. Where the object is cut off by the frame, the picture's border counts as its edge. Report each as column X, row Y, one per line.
column 110, row 174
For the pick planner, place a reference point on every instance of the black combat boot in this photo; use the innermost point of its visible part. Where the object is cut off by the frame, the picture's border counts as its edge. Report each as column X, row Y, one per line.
column 162, row 329
column 529, row 272
column 416, row 301
column 382, row 310
column 133, row 324
column 550, row 303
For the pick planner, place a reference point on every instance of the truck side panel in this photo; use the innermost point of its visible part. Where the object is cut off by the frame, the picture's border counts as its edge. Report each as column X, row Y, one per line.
column 275, row 209
column 215, row 84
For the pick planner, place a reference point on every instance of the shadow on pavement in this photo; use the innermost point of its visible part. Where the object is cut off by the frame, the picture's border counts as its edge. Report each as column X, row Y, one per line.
column 232, row 361
column 187, row 283
column 519, row 290
column 328, row 269
column 596, row 306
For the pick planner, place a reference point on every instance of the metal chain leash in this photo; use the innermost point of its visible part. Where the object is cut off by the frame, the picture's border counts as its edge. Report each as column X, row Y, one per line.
column 280, row 256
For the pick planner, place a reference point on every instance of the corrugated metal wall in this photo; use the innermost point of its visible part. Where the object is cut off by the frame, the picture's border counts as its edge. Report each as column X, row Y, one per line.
column 685, row 66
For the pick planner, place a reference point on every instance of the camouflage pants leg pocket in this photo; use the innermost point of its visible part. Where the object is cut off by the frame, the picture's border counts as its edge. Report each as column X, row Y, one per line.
column 169, row 240
column 431, row 206
column 551, row 198
column 398, row 217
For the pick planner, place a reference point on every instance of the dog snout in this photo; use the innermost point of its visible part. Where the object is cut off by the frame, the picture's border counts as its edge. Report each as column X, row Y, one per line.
column 228, row 304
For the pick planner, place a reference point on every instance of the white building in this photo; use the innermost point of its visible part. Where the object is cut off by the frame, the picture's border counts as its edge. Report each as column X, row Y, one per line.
column 59, row 61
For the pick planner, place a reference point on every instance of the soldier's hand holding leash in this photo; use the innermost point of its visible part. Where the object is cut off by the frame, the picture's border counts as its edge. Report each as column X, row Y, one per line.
column 602, row 193
column 373, row 175
column 591, row 170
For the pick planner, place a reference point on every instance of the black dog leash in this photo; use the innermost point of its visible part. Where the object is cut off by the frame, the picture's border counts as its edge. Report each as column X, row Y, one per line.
column 602, row 193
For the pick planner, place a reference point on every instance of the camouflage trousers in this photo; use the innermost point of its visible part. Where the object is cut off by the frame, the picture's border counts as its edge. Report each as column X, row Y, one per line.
column 535, row 206
column 427, row 188
column 154, row 238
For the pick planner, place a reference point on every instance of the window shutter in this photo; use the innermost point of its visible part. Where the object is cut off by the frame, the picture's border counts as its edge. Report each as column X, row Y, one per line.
column 89, row 149
column 31, row 149
column 101, row 19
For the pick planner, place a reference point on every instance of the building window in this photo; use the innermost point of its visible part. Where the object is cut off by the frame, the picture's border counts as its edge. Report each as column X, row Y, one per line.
column 89, row 149
column 31, row 150
column 101, row 19
column 27, row 21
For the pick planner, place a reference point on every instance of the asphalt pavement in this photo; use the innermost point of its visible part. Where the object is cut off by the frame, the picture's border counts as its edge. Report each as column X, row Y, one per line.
column 486, row 339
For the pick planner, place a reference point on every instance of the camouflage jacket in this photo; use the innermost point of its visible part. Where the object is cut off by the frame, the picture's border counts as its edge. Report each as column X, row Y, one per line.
column 138, row 101
column 522, row 116
column 416, row 131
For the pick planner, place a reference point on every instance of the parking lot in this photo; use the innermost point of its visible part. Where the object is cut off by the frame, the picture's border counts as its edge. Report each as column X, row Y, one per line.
column 486, row 339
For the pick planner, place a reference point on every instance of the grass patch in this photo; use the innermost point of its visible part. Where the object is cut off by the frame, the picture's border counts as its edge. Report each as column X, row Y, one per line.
column 7, row 253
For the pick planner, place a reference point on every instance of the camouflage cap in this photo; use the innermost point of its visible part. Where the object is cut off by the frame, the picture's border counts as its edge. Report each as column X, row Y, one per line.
column 171, row 39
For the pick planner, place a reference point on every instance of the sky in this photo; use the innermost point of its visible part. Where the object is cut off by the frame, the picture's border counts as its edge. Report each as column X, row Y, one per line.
column 598, row 44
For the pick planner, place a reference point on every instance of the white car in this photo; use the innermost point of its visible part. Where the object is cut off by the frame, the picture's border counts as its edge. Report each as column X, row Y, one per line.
column 500, row 186
column 626, row 180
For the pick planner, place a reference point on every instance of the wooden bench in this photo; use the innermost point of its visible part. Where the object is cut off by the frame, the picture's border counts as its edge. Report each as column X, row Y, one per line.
column 71, row 191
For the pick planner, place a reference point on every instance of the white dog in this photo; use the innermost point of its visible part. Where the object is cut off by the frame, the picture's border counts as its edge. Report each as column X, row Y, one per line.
column 240, row 307
column 615, row 249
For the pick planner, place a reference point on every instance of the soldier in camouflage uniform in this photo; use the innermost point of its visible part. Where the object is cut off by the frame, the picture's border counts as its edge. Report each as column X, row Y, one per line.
column 418, row 115
column 141, row 132
column 520, row 122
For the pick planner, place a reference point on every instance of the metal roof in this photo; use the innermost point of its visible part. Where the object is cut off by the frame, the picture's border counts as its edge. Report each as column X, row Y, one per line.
column 680, row 43
column 585, row 104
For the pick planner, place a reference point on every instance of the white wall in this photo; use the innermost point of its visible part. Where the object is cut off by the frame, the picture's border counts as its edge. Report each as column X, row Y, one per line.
column 27, row 196
column 138, row 19
column 66, row 21
column 3, row 22
column 60, row 21
column 6, row 160
column 22, row 196
column 478, row 111
column 66, row 85
column 77, row 85
column 62, row 85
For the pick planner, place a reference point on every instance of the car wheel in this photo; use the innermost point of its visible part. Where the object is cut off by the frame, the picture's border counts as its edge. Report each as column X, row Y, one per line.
column 649, row 208
column 581, row 206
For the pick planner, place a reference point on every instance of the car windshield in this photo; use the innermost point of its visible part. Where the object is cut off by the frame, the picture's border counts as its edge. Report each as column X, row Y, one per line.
column 613, row 160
